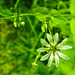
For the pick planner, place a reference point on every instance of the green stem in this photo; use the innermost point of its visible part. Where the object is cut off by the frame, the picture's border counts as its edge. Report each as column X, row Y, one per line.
column 19, row 16
column 29, row 14
column 32, row 26
column 45, row 33
column 16, row 4
column 35, row 44
column 26, row 48
column 50, row 30
column 37, row 57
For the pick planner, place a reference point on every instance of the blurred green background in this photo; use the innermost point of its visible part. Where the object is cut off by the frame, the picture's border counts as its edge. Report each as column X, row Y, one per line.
column 18, row 44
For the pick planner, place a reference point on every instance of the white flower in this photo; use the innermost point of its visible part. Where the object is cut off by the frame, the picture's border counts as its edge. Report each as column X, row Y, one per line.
column 53, row 49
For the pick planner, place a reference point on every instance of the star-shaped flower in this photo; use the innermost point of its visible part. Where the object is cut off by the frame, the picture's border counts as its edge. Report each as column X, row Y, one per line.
column 53, row 49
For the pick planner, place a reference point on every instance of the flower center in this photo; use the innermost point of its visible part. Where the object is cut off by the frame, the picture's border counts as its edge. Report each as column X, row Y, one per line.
column 53, row 49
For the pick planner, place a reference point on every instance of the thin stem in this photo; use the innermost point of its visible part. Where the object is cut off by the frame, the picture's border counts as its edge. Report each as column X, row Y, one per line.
column 31, row 26
column 37, row 57
column 19, row 16
column 16, row 4
column 45, row 33
column 26, row 48
column 35, row 44
column 29, row 14
column 50, row 30
column 7, row 17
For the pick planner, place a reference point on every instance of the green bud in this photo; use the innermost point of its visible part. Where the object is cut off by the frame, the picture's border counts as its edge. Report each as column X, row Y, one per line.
column 15, row 24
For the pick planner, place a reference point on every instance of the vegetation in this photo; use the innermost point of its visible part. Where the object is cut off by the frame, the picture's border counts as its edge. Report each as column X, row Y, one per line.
column 34, row 34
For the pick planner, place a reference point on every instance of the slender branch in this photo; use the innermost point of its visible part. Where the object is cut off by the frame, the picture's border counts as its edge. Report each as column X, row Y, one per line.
column 37, row 57
column 34, row 31
column 18, row 16
column 16, row 4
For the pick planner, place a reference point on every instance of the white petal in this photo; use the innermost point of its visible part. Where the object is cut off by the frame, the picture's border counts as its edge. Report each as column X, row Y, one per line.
column 50, row 60
column 42, row 49
column 65, row 47
column 44, row 43
column 63, row 56
column 56, row 60
column 49, row 37
column 62, row 43
column 56, row 38
column 43, row 58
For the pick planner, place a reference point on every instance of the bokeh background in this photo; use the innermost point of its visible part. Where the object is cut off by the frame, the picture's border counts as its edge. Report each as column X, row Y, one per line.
column 18, row 44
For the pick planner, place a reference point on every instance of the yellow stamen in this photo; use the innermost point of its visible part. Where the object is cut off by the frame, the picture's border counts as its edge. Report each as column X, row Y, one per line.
column 57, row 48
column 55, row 52
column 51, row 48
column 52, row 51
column 53, row 45
column 47, row 51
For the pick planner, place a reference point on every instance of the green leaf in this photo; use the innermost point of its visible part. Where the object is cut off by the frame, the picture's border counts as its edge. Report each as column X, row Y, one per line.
column 57, row 18
column 41, row 13
column 72, row 72
column 43, row 28
column 15, row 24
column 72, row 22
column 72, row 7
column 72, row 27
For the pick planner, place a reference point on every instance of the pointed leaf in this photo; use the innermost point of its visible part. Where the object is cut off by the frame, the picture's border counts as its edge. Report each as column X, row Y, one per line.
column 57, row 18
column 72, row 28
column 63, row 56
column 41, row 13
column 72, row 7
column 43, row 28
column 44, row 43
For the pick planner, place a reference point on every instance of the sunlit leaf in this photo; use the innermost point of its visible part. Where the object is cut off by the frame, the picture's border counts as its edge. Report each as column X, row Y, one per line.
column 41, row 13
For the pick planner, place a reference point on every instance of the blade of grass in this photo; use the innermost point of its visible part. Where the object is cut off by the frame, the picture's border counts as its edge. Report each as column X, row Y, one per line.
column 32, row 27
column 27, row 49
column 35, row 44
